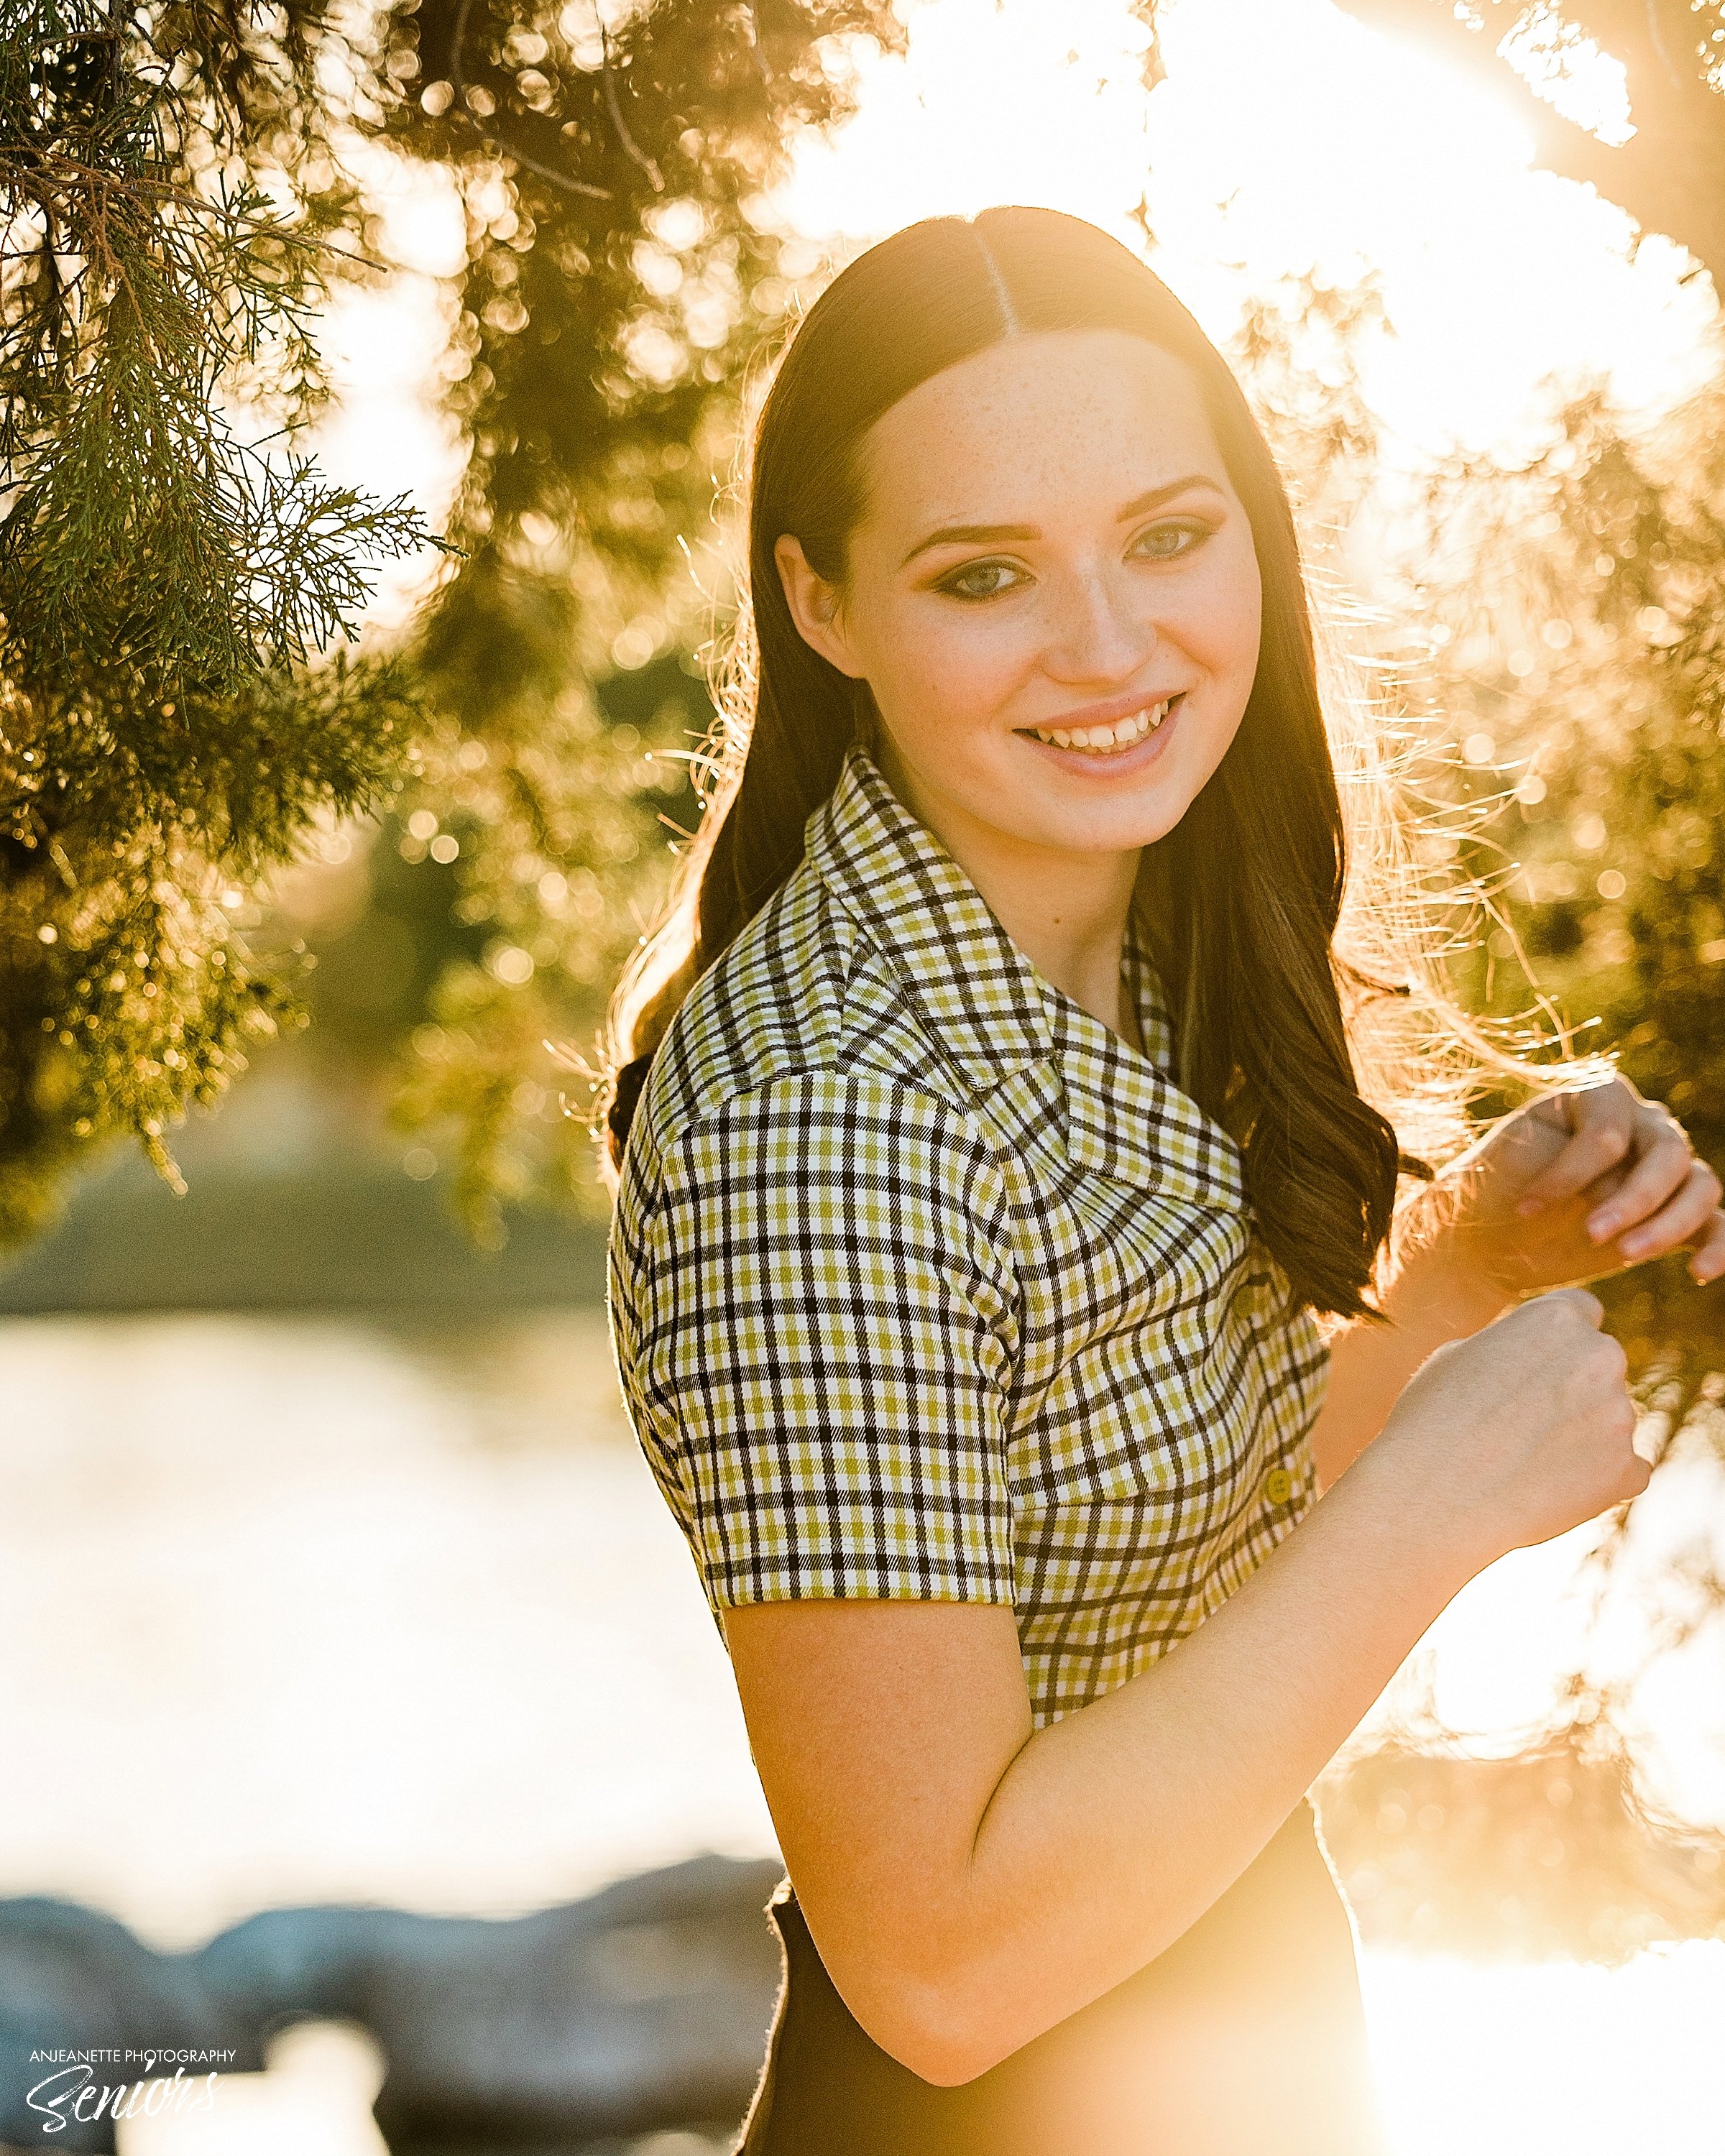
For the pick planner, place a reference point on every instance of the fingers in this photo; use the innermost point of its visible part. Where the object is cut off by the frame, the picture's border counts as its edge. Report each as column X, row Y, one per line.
column 1709, row 1260
column 1602, row 1120
column 1687, row 1215
column 1664, row 1198
column 1585, row 1306
column 1661, row 1184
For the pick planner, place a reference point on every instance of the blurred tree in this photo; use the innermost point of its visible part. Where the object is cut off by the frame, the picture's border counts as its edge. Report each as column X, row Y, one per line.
column 1298, row 347
column 164, row 574
column 1571, row 605
column 619, row 275
column 170, row 179
column 1670, row 173
column 1546, row 643
column 1552, row 1849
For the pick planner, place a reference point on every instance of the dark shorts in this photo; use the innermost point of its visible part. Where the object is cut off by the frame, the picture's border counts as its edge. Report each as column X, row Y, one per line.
column 1245, row 2038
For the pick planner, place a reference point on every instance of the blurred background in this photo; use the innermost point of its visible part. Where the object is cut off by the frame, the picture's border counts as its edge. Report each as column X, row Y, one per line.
column 332, row 1579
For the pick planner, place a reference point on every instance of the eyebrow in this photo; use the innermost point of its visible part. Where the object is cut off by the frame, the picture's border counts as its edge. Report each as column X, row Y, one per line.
column 976, row 534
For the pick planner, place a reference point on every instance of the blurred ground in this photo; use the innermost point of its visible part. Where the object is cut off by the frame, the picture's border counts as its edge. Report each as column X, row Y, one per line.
column 298, row 1197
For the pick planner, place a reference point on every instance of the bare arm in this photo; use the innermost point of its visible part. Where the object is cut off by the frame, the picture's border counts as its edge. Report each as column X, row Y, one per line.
column 970, row 1881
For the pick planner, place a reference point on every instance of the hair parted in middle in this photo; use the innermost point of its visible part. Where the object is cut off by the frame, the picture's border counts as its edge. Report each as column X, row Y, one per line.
column 1240, row 901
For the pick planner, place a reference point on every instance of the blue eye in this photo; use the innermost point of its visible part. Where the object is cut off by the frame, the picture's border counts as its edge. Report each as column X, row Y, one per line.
column 1157, row 543
column 963, row 586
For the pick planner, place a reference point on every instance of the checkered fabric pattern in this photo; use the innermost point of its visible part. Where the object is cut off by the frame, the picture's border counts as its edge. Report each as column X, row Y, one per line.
column 924, row 1285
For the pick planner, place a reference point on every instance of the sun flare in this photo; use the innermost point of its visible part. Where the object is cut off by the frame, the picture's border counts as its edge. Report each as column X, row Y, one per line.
column 1285, row 137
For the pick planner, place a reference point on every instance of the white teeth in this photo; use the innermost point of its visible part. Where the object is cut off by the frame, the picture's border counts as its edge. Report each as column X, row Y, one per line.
column 1099, row 740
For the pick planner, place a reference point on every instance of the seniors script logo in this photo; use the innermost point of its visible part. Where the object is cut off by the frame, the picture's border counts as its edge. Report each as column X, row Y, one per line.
column 77, row 2086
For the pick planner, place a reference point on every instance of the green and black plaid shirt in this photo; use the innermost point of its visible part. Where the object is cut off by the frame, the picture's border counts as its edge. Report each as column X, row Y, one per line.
column 925, row 1285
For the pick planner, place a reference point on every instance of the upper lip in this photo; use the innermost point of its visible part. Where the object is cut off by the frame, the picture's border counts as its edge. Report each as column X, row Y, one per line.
column 1101, row 715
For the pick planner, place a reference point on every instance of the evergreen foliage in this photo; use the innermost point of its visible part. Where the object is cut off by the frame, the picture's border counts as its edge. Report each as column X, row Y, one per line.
column 166, row 575
column 172, row 576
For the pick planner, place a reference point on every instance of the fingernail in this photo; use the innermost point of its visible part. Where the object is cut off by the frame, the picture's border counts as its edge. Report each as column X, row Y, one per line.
column 1600, row 1224
column 1633, row 1246
column 1529, row 1206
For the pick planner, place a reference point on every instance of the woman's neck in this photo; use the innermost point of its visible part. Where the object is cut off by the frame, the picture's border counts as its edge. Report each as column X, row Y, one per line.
column 1066, row 912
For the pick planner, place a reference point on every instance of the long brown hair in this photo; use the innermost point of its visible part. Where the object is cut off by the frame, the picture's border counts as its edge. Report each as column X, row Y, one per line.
column 1241, row 900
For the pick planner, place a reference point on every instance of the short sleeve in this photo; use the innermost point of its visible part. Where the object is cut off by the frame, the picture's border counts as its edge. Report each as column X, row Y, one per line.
column 821, row 1340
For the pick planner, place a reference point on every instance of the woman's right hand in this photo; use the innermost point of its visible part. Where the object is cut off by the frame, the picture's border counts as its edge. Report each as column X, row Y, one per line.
column 1520, row 1432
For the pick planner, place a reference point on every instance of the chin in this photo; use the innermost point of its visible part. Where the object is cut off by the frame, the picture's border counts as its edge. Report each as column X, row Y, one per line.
column 1092, row 827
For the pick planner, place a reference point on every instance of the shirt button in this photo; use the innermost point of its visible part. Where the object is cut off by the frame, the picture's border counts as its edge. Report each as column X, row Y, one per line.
column 1278, row 1487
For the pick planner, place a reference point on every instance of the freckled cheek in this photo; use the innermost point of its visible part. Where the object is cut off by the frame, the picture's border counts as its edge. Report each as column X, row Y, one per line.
column 946, row 675
column 1218, row 626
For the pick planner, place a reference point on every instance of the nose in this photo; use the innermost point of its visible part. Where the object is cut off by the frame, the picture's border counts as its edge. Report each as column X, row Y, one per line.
column 1097, row 631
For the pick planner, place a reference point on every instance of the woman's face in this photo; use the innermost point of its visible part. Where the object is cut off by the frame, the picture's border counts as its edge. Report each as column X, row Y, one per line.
column 1053, row 594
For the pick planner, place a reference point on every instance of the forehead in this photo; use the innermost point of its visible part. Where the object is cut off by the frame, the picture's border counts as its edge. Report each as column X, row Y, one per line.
column 1053, row 418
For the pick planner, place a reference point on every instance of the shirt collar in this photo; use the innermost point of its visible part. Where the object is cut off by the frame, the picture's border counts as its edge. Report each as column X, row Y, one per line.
column 995, row 1016
column 974, row 989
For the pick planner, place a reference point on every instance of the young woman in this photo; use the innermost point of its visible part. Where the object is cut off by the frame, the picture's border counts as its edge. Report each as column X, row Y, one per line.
column 999, row 1148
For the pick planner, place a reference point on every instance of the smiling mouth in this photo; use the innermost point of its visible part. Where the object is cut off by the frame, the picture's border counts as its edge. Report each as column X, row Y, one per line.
column 1106, row 741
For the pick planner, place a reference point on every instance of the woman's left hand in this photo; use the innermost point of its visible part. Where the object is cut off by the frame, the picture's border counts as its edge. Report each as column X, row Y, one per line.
column 1572, row 1188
